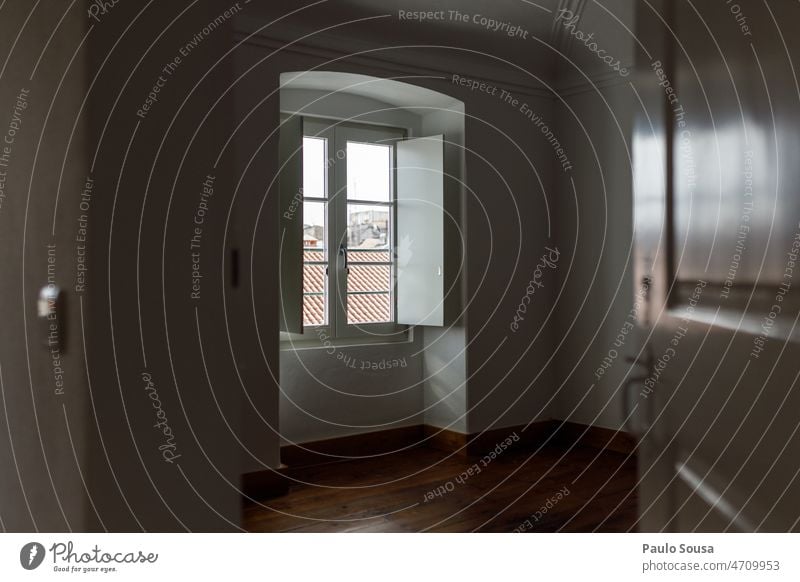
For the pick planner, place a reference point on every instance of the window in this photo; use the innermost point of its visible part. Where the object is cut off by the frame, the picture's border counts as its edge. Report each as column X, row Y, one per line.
column 349, row 192
column 349, row 211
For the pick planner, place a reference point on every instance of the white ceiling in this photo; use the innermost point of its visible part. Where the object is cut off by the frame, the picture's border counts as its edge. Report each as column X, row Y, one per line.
column 362, row 25
column 534, row 15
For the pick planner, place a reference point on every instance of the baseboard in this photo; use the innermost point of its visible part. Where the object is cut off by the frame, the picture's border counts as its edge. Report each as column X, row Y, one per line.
column 571, row 433
column 264, row 484
column 445, row 440
column 359, row 445
column 531, row 436
column 524, row 437
column 478, row 444
column 535, row 434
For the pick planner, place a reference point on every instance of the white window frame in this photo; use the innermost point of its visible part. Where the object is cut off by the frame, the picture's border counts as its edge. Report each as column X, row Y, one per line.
column 337, row 134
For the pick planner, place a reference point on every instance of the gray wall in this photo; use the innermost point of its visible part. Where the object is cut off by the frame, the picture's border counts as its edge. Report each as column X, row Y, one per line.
column 160, row 360
column 41, row 420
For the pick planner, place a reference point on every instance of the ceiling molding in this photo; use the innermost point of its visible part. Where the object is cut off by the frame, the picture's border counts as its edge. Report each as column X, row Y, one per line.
column 330, row 47
column 571, row 81
column 560, row 39
column 591, row 83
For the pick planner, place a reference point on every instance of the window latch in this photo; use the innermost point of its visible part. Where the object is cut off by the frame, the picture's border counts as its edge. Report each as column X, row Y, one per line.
column 343, row 254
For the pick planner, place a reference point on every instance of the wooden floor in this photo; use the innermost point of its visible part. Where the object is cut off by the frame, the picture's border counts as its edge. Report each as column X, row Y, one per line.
column 388, row 494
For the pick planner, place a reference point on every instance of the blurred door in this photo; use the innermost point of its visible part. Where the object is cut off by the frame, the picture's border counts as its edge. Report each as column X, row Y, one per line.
column 713, row 392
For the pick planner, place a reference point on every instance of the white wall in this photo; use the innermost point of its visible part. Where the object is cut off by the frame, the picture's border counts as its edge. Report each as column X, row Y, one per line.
column 595, row 220
column 336, row 391
column 346, row 106
column 510, row 208
column 595, row 227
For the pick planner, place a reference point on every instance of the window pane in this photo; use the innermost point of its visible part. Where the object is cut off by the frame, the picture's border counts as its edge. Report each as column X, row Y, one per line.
column 368, row 227
column 315, row 281
column 315, row 291
column 314, row 310
column 369, row 278
column 313, row 227
column 369, row 256
column 369, row 308
column 314, row 167
column 369, row 172
column 313, row 278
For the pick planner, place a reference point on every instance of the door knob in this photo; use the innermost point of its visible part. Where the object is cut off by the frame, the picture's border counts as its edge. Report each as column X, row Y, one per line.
column 629, row 395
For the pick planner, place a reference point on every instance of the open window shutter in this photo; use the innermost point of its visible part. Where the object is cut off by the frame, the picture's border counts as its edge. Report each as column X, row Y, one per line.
column 420, row 231
column 290, row 234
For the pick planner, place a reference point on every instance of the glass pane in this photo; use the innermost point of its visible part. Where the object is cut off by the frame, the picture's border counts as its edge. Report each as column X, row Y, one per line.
column 315, row 284
column 313, row 256
column 314, row 166
column 369, row 256
column 313, row 278
column 369, row 308
column 369, row 172
column 369, row 278
column 368, row 227
column 314, row 310
column 313, row 227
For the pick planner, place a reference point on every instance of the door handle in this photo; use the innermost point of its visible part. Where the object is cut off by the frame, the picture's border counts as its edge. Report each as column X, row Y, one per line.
column 52, row 313
column 629, row 395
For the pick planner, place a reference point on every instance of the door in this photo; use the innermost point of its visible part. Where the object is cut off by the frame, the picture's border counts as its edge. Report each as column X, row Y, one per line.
column 44, row 409
column 713, row 392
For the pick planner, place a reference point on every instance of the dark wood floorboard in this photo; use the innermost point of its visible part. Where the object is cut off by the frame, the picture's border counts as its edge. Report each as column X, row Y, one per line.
column 388, row 494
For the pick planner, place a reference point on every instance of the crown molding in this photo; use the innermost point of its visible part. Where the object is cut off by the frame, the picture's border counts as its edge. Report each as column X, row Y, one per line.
column 326, row 47
column 591, row 82
column 559, row 37
column 331, row 47
column 581, row 81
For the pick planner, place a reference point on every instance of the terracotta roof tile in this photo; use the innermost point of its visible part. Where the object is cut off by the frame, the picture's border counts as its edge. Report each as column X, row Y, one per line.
column 369, row 308
column 364, row 307
column 313, row 310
